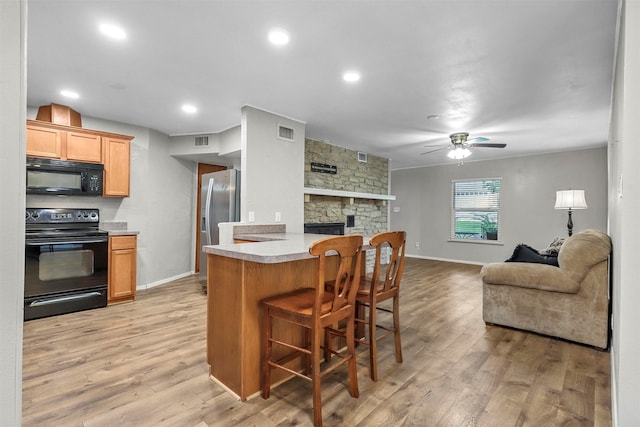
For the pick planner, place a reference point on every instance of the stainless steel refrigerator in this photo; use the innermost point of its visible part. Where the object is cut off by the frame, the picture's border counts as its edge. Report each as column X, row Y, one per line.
column 220, row 202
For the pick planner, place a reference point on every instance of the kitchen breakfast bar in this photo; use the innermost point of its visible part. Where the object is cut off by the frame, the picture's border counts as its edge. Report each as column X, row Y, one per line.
column 239, row 276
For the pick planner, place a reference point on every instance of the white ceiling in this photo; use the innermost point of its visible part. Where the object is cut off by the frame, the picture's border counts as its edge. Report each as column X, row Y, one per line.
column 534, row 74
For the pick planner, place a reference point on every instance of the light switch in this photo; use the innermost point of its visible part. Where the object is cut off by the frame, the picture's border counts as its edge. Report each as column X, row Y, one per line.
column 278, row 217
column 252, row 216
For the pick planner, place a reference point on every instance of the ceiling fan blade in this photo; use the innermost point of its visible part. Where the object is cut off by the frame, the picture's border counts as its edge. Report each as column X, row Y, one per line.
column 433, row 151
column 489, row 145
column 477, row 139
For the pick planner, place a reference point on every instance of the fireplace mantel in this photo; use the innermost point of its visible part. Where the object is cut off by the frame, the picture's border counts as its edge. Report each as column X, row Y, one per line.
column 348, row 194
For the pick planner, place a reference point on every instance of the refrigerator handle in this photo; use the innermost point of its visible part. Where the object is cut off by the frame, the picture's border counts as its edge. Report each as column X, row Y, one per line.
column 206, row 221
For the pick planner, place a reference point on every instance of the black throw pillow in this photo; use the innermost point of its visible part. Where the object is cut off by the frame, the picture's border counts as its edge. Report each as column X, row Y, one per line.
column 525, row 253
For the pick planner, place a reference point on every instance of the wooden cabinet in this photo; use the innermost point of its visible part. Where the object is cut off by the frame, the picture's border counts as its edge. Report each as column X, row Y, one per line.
column 44, row 141
column 122, row 268
column 48, row 140
column 57, row 141
column 116, row 155
column 84, row 147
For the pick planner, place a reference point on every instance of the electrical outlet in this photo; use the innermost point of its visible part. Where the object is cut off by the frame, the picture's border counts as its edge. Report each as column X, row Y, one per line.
column 252, row 216
column 278, row 217
column 418, row 245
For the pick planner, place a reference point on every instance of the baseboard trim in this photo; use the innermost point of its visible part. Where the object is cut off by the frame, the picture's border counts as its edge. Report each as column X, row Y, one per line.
column 163, row 281
column 614, row 388
column 457, row 261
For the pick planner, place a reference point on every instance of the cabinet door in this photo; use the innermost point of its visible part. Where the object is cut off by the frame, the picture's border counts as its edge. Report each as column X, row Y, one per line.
column 44, row 142
column 122, row 268
column 84, row 147
column 116, row 152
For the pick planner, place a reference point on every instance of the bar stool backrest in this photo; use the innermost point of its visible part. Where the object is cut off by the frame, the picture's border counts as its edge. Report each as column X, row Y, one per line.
column 390, row 282
column 349, row 250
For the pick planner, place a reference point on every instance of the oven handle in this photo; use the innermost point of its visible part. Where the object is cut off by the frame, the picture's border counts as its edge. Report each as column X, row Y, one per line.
column 68, row 242
column 41, row 302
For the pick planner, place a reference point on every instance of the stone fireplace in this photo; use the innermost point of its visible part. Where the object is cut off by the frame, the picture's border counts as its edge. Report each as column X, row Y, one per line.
column 353, row 175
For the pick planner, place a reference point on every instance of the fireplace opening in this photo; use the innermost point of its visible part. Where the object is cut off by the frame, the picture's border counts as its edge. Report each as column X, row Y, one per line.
column 333, row 228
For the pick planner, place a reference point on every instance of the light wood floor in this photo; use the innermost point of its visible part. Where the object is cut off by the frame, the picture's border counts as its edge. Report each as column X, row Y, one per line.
column 144, row 364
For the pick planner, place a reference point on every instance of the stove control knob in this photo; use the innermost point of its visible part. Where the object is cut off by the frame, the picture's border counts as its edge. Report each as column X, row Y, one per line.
column 85, row 214
column 35, row 215
column 93, row 215
column 78, row 214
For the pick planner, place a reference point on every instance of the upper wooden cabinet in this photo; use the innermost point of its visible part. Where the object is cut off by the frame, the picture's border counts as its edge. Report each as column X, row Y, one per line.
column 116, row 155
column 57, row 141
column 44, row 141
column 84, row 147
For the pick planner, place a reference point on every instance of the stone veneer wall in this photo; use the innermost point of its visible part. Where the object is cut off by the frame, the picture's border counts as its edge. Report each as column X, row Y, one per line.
column 352, row 175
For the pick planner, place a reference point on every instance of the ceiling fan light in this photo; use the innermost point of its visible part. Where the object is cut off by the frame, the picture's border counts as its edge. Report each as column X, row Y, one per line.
column 459, row 153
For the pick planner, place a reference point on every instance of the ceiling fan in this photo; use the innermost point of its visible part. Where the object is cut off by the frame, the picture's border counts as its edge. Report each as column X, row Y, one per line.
column 461, row 144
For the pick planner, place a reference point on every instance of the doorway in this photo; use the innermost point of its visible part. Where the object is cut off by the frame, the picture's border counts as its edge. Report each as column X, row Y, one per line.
column 203, row 168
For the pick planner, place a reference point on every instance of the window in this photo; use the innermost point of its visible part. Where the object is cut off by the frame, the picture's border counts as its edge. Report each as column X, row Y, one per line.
column 475, row 209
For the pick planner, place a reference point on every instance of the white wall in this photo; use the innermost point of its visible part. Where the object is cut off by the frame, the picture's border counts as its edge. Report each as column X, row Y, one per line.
column 528, row 193
column 223, row 148
column 231, row 142
column 624, row 206
column 160, row 205
column 272, row 169
column 12, row 164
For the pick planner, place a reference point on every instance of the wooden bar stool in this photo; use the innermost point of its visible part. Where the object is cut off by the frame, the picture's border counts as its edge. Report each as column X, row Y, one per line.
column 380, row 287
column 317, row 310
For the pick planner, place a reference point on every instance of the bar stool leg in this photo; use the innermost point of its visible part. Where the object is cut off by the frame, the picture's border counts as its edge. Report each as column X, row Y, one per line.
column 396, row 328
column 315, row 376
column 266, row 354
column 373, row 342
column 353, row 367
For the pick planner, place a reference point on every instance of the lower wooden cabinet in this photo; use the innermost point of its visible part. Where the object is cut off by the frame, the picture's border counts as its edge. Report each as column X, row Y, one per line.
column 122, row 268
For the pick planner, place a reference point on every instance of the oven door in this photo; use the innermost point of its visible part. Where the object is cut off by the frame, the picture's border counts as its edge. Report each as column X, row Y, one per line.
column 65, row 274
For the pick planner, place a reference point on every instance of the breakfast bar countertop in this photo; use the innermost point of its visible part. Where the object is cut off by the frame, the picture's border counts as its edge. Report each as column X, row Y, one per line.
column 268, row 248
column 241, row 275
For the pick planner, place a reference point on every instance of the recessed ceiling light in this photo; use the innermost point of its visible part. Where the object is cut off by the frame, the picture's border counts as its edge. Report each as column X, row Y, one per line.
column 189, row 109
column 278, row 37
column 69, row 94
column 351, row 76
column 113, row 31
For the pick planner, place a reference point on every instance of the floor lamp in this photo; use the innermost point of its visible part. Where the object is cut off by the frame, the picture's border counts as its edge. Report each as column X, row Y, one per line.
column 570, row 199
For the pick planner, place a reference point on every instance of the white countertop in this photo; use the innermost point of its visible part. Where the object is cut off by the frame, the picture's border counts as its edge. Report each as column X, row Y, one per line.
column 122, row 232
column 270, row 248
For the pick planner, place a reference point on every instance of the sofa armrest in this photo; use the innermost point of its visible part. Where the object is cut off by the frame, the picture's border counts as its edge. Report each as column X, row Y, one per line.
column 526, row 275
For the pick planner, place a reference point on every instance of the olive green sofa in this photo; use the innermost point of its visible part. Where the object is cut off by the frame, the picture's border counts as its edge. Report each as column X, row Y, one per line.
column 570, row 301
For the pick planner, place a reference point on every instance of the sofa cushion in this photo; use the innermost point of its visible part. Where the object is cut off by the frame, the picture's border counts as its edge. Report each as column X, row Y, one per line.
column 529, row 275
column 525, row 253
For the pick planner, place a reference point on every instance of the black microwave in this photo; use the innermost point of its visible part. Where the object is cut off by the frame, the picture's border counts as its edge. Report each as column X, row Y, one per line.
column 53, row 176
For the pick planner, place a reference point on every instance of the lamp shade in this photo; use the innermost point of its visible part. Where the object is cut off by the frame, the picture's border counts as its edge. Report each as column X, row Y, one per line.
column 570, row 199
